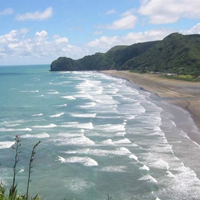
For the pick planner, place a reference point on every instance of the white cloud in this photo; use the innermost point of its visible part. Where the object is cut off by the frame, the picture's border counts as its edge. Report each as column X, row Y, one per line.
column 128, row 12
column 110, row 12
column 127, row 21
column 145, row 36
column 9, row 37
column 7, row 11
column 16, row 46
column 161, row 11
column 40, row 37
column 105, row 43
column 41, row 34
column 61, row 40
column 194, row 30
column 36, row 15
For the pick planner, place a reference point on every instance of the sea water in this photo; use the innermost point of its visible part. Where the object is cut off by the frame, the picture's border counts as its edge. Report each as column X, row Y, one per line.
column 101, row 138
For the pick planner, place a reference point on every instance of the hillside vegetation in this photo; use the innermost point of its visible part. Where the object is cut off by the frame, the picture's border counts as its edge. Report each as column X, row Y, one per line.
column 176, row 53
column 113, row 59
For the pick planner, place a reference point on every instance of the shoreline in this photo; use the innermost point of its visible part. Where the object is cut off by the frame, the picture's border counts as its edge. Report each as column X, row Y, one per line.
column 179, row 93
column 182, row 100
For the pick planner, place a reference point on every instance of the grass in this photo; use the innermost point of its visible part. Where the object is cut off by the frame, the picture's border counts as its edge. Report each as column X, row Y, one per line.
column 13, row 193
column 190, row 78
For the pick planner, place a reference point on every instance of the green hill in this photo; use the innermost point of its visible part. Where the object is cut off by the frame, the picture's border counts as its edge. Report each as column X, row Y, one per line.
column 176, row 53
column 113, row 59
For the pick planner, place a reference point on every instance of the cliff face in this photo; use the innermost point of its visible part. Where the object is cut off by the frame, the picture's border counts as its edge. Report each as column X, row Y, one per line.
column 176, row 53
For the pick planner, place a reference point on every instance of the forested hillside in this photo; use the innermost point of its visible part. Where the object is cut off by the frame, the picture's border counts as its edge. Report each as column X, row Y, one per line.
column 113, row 59
column 176, row 53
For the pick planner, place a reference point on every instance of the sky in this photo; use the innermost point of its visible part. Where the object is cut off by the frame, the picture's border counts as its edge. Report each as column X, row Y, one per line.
column 40, row 31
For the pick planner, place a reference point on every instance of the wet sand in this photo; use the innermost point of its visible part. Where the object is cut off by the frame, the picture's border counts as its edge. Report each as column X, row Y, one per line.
column 180, row 93
column 182, row 100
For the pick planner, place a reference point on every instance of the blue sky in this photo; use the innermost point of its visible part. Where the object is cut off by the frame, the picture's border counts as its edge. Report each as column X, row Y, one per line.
column 37, row 32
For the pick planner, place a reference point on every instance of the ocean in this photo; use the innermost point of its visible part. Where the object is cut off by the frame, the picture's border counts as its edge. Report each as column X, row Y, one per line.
column 101, row 138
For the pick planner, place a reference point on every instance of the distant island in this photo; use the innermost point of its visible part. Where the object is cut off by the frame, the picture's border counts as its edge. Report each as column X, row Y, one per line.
column 175, row 54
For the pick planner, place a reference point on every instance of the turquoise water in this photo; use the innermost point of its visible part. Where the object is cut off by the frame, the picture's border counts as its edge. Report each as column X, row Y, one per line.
column 99, row 135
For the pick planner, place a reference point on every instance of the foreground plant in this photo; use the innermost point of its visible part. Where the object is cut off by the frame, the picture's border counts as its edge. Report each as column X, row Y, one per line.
column 13, row 194
column 30, row 167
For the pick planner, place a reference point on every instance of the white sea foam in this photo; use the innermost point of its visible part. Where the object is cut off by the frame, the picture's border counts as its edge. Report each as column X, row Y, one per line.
column 101, row 152
column 111, row 127
column 65, row 72
column 53, row 92
column 81, row 140
column 46, row 126
column 157, row 128
column 132, row 156
column 129, row 100
column 87, row 151
column 55, row 83
column 108, row 142
column 31, row 91
column 71, row 134
column 117, row 142
column 123, row 151
column 123, row 141
column 37, row 115
column 148, row 178
column 169, row 174
column 124, row 123
column 88, row 105
column 89, row 115
column 6, row 145
column 61, row 159
column 114, row 169
column 21, row 170
column 68, row 97
column 63, row 105
column 105, row 100
column 144, row 167
column 161, row 164
column 42, row 95
column 121, row 133
column 97, row 91
column 57, row 115
column 40, row 135
column 106, row 109
column 83, row 96
column 86, row 161
column 15, row 129
column 130, row 117
column 78, row 125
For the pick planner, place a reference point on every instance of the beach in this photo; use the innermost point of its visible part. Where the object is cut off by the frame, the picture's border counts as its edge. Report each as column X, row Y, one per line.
column 180, row 93
column 179, row 98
